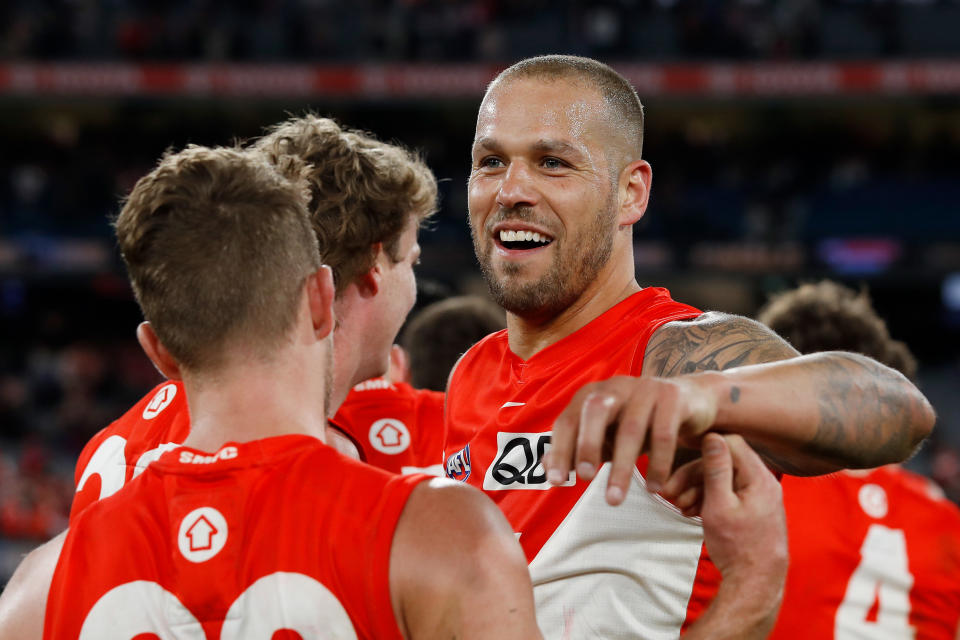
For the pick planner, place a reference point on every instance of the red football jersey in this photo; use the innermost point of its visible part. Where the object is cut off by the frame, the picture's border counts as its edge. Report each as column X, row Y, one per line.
column 281, row 534
column 396, row 427
column 159, row 422
column 598, row 571
column 871, row 556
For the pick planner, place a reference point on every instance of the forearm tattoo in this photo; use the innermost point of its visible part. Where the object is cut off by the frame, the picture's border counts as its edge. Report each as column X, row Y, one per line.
column 866, row 410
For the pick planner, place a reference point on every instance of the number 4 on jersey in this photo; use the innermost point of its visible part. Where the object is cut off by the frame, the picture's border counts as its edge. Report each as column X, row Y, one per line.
column 876, row 605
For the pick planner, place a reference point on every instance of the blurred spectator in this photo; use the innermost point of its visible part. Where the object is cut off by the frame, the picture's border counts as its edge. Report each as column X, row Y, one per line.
column 435, row 337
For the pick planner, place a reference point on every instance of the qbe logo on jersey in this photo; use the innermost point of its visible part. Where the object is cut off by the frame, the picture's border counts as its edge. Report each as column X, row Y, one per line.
column 519, row 463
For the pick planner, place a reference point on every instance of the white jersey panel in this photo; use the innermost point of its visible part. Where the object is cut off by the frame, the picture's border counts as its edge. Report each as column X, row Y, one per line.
column 617, row 572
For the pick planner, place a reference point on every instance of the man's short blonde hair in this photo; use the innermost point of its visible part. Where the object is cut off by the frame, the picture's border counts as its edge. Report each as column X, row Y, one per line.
column 218, row 245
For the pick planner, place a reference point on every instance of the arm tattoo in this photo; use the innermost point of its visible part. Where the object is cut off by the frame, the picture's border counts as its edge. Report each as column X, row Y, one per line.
column 868, row 414
column 735, row 394
column 712, row 342
column 862, row 409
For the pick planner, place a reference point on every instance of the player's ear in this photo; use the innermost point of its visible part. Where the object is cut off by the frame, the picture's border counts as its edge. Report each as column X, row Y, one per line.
column 634, row 191
column 158, row 354
column 320, row 294
column 369, row 282
column 399, row 364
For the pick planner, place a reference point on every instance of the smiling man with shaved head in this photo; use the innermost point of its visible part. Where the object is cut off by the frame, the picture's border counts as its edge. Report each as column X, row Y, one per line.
column 619, row 383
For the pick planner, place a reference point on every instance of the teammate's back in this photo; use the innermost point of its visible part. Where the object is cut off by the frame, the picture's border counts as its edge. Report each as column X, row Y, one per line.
column 255, row 525
column 291, row 534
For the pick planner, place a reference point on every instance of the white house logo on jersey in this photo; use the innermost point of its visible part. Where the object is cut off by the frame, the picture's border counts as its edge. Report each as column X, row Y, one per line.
column 160, row 401
column 519, row 463
column 458, row 465
column 389, row 436
column 203, row 533
column 873, row 500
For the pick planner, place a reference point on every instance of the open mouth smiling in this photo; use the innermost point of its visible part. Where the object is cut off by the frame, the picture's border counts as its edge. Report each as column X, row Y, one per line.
column 521, row 239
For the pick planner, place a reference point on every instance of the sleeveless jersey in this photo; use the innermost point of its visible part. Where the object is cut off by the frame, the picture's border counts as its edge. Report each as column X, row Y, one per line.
column 281, row 534
column 598, row 571
column 397, row 427
column 160, row 421
column 871, row 556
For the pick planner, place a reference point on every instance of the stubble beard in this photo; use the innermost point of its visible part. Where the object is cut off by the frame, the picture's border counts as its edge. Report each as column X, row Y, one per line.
column 570, row 273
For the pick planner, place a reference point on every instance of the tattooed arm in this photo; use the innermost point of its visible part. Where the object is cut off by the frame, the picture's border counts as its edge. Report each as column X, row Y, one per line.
column 805, row 415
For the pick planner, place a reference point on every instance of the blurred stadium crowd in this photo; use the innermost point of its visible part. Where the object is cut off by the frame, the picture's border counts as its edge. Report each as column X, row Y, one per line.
column 441, row 30
column 780, row 191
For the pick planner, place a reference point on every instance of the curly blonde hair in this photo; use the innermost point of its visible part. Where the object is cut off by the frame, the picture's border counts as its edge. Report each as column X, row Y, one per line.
column 363, row 191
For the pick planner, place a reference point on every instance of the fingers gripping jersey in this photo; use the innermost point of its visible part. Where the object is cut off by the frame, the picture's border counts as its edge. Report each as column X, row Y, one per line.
column 598, row 571
column 270, row 535
column 873, row 556
column 396, row 427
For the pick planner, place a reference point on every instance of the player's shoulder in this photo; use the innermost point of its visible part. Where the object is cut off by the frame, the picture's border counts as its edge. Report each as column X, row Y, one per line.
column 489, row 351
column 427, row 398
column 923, row 489
column 23, row 601
column 492, row 344
column 163, row 401
column 712, row 340
column 449, row 517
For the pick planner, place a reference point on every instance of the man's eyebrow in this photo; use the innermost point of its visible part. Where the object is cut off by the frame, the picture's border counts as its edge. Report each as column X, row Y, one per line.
column 487, row 143
column 543, row 145
column 556, row 146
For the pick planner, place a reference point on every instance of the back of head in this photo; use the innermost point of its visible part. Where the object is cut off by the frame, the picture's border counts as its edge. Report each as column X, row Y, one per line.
column 218, row 245
column 362, row 191
column 437, row 336
column 827, row 316
column 624, row 106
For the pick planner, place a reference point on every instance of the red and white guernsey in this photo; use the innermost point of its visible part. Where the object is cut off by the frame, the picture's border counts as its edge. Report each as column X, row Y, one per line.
column 396, row 427
column 160, row 421
column 872, row 556
column 276, row 535
column 598, row 571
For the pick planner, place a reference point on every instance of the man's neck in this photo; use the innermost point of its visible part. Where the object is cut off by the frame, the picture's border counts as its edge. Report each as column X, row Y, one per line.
column 254, row 401
column 528, row 336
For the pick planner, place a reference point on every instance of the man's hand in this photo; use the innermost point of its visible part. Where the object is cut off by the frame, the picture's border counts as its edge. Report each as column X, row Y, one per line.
column 620, row 418
column 745, row 532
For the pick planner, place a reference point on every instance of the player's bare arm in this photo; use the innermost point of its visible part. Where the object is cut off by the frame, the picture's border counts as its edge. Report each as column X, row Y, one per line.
column 869, row 414
column 806, row 415
column 746, row 534
column 24, row 600
column 456, row 569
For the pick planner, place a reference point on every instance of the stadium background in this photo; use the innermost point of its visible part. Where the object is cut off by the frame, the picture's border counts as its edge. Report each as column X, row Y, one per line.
column 790, row 141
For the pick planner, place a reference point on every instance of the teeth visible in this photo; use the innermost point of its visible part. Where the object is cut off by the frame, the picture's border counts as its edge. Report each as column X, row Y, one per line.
column 510, row 235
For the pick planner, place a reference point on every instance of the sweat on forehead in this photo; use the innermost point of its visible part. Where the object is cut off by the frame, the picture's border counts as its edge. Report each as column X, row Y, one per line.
column 625, row 111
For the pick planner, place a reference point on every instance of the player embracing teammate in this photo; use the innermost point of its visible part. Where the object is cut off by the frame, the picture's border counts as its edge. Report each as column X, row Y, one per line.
column 592, row 368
